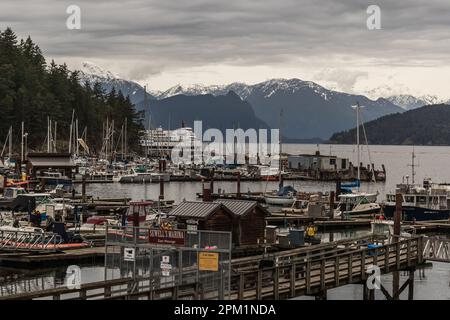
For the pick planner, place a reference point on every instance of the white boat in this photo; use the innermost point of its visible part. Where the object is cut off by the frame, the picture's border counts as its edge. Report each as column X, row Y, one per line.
column 135, row 176
column 357, row 204
column 279, row 200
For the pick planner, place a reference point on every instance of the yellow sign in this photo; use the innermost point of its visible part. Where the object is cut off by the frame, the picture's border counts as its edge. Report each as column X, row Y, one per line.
column 208, row 261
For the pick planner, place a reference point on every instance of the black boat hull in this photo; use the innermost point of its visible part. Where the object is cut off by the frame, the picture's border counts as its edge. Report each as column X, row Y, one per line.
column 411, row 213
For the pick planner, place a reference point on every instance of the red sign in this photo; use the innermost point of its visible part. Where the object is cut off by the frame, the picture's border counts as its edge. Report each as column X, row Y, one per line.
column 174, row 237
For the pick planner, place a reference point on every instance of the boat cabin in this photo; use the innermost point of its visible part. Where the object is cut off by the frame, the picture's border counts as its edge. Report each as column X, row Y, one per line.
column 13, row 192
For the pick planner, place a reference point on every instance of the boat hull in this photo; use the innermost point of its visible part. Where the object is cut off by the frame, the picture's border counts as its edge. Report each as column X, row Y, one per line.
column 411, row 213
column 280, row 201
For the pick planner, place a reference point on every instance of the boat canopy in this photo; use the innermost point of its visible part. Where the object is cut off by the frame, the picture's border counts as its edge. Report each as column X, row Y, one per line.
column 347, row 187
column 286, row 190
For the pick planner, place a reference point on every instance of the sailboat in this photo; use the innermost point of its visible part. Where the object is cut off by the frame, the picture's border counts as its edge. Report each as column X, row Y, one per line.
column 354, row 202
column 285, row 195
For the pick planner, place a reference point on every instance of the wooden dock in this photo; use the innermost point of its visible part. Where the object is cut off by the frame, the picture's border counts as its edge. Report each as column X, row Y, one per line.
column 297, row 272
column 23, row 258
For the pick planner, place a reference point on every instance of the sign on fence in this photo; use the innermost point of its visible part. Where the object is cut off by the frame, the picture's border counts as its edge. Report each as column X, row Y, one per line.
column 173, row 237
column 208, row 261
column 129, row 254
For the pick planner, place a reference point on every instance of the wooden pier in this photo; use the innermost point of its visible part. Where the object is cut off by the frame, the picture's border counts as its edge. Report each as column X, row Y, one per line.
column 298, row 272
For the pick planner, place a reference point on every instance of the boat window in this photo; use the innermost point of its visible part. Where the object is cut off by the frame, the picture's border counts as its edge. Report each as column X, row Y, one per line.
column 422, row 200
column 409, row 199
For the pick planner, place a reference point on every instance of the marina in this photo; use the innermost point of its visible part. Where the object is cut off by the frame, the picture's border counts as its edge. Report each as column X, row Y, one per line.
column 310, row 220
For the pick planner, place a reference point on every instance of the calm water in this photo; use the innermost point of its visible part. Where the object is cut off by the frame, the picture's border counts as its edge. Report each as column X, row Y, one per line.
column 432, row 162
column 431, row 283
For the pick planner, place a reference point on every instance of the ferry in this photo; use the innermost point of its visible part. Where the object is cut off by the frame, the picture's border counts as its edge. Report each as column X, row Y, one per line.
column 428, row 201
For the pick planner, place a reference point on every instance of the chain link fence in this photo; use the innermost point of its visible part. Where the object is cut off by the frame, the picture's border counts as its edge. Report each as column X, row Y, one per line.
column 159, row 259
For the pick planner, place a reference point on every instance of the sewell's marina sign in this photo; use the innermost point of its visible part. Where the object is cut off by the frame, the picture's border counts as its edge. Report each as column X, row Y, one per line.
column 172, row 237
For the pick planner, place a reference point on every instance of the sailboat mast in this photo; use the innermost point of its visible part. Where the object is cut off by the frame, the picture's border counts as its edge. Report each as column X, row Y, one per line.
column 357, row 142
column 21, row 144
column 280, row 178
column 10, row 144
column 413, row 173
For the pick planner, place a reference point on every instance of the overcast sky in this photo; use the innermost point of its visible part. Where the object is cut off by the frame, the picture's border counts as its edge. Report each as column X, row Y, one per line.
column 165, row 42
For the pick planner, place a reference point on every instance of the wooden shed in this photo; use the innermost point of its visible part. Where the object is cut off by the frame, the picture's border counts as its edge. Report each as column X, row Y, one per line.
column 38, row 163
column 244, row 219
column 203, row 216
column 249, row 220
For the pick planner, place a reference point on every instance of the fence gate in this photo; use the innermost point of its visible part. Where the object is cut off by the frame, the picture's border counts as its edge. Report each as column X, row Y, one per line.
column 158, row 259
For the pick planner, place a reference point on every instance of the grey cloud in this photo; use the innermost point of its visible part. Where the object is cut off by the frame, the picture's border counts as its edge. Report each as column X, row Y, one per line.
column 166, row 34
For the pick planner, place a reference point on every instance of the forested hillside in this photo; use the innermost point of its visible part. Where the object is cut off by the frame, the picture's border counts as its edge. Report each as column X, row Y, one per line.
column 32, row 90
column 429, row 125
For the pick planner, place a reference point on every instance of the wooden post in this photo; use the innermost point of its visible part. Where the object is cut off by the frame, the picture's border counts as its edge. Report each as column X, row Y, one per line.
column 411, row 285
column 259, row 285
column 83, row 188
column 408, row 252
column 332, row 205
column 211, row 186
column 238, row 193
column 386, row 258
column 161, row 188
column 308, row 277
column 322, row 275
column 241, row 286
column 336, row 271
column 396, row 285
column 398, row 215
column 350, row 268
column 363, row 265
column 293, row 273
column 276, row 280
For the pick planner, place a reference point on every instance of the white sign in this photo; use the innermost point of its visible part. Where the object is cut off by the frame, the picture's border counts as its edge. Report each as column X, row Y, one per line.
column 165, row 273
column 129, row 254
column 166, row 266
column 166, row 259
column 191, row 227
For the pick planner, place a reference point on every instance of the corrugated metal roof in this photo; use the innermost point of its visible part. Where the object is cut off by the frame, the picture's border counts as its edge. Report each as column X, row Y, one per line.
column 51, row 162
column 194, row 209
column 238, row 207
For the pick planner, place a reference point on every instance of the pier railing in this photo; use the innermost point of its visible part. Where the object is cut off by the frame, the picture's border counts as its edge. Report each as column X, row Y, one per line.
column 303, row 271
column 437, row 249
column 18, row 240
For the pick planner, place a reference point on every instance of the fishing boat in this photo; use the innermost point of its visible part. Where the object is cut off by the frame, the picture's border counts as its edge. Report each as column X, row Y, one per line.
column 420, row 203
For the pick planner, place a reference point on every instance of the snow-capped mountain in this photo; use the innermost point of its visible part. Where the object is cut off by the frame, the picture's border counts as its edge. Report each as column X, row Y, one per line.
column 409, row 102
column 92, row 73
column 243, row 90
column 310, row 110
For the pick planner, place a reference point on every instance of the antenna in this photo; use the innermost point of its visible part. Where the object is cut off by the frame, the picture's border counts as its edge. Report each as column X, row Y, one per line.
column 413, row 166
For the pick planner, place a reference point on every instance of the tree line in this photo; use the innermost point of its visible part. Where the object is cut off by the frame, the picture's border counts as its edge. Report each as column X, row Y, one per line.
column 31, row 90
